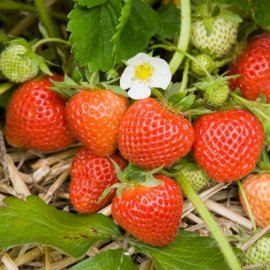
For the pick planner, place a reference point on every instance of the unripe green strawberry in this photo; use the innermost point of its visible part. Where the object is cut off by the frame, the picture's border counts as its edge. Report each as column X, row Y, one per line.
column 259, row 253
column 195, row 175
column 216, row 95
column 16, row 66
column 204, row 60
column 219, row 41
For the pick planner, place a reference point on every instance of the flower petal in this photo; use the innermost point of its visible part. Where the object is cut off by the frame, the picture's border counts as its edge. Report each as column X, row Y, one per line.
column 139, row 91
column 160, row 65
column 161, row 80
column 138, row 59
column 127, row 77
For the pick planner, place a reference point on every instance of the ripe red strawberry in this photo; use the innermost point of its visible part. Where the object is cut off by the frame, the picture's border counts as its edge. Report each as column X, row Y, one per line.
column 151, row 214
column 150, row 136
column 228, row 144
column 35, row 117
column 94, row 118
column 257, row 189
column 90, row 176
column 253, row 64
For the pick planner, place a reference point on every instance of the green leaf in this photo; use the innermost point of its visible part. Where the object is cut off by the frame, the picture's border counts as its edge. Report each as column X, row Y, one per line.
column 172, row 89
column 188, row 252
column 91, row 3
column 91, row 34
column 261, row 12
column 5, row 97
column 109, row 259
column 138, row 24
column 32, row 221
column 170, row 18
column 243, row 4
column 175, row 99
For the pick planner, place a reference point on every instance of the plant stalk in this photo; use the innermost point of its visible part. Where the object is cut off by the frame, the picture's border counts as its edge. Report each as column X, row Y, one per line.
column 189, row 56
column 185, row 76
column 45, row 18
column 250, row 215
column 210, row 222
column 46, row 40
column 17, row 6
column 185, row 29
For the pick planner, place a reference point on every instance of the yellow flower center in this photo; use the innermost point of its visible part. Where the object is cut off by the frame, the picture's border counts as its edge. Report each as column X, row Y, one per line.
column 144, row 71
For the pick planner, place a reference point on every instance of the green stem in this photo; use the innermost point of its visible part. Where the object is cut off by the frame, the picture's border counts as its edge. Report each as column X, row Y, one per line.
column 12, row 5
column 223, row 62
column 46, row 40
column 250, row 215
column 210, row 222
column 184, row 36
column 45, row 18
column 173, row 48
column 248, row 104
column 185, row 76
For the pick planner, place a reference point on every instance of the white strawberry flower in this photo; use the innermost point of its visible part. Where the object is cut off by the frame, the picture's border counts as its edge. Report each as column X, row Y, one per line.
column 144, row 72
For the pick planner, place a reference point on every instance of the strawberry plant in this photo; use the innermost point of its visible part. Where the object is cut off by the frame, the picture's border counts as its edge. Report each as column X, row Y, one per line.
column 134, row 134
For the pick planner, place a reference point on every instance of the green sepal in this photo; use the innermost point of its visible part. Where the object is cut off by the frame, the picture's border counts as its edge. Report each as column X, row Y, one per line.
column 106, row 192
column 173, row 88
column 133, row 176
column 264, row 161
column 66, row 88
column 114, row 88
column 215, row 10
column 259, row 108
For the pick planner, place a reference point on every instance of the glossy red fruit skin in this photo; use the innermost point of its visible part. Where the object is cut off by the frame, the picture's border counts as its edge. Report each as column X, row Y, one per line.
column 150, row 136
column 35, row 117
column 228, row 144
column 257, row 189
column 94, row 118
column 253, row 65
column 90, row 176
column 151, row 214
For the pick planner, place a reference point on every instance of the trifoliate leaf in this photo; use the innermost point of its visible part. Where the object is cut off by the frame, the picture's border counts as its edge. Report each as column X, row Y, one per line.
column 91, row 34
column 91, row 3
column 188, row 252
column 138, row 24
column 32, row 221
column 109, row 259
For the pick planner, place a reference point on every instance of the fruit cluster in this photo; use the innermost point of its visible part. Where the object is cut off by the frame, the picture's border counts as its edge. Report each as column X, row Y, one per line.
column 132, row 150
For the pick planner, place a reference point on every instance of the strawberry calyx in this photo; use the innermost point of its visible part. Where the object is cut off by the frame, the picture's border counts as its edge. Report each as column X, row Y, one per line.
column 215, row 91
column 264, row 162
column 259, row 108
column 84, row 79
column 130, row 177
column 209, row 11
